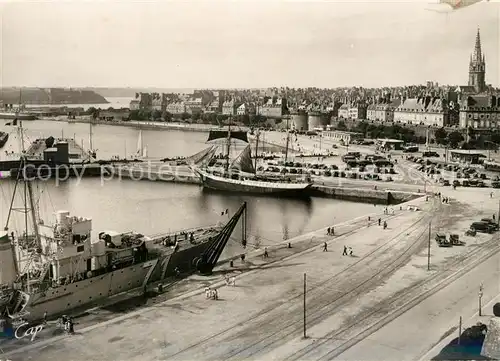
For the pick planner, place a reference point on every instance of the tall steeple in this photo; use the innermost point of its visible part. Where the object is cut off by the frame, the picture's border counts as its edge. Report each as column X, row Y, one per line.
column 477, row 48
column 477, row 67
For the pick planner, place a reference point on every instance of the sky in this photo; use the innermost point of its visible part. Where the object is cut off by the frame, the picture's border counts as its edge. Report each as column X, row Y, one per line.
column 243, row 44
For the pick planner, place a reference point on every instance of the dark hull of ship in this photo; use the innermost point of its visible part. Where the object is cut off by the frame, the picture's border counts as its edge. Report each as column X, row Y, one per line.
column 96, row 290
column 273, row 188
column 12, row 116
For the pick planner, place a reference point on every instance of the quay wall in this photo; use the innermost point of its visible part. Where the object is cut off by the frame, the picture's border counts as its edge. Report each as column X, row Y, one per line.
column 364, row 195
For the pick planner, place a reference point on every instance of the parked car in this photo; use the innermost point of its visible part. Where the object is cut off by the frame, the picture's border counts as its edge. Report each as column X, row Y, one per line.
column 430, row 154
column 490, row 222
column 483, row 227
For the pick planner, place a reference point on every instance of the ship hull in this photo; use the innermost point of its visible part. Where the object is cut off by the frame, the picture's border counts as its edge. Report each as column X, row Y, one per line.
column 12, row 116
column 95, row 290
column 253, row 186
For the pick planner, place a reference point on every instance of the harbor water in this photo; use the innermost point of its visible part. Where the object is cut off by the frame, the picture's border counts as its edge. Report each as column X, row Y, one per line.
column 157, row 207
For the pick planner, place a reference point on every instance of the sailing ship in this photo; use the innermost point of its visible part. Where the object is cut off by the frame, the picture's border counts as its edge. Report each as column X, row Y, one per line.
column 240, row 175
column 19, row 113
column 58, row 268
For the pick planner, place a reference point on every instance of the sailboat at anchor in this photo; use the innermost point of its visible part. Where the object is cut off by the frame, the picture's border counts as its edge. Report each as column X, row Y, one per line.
column 142, row 151
column 240, row 175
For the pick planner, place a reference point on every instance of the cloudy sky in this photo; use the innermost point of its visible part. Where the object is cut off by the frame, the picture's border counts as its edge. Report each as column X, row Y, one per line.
column 222, row 43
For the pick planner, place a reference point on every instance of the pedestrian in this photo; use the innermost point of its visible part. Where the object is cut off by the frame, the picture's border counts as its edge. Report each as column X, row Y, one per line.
column 160, row 288
column 385, row 225
column 328, row 232
column 45, row 313
column 242, row 258
column 333, row 231
column 266, row 255
column 493, row 216
column 71, row 325
column 345, row 251
column 289, row 245
column 350, row 251
column 231, row 264
column 491, row 194
column 379, row 221
column 325, row 247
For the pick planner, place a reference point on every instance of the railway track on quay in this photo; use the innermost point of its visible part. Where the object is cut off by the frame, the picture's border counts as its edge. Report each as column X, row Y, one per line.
column 391, row 308
column 378, row 264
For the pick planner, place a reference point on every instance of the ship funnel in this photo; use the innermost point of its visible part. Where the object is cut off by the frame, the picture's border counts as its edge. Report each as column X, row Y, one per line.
column 8, row 272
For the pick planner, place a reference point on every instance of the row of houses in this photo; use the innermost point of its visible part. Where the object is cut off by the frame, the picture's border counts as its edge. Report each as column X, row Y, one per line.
column 271, row 107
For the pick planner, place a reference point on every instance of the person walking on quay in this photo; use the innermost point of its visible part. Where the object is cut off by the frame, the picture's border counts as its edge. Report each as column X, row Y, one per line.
column 350, row 251
column 45, row 313
column 491, row 194
column 328, row 231
column 266, row 255
column 385, row 225
column 379, row 221
column 242, row 258
column 345, row 251
column 325, row 247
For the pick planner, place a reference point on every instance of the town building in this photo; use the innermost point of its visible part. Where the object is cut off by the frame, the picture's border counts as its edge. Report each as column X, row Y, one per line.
column 242, row 109
column 345, row 137
column 344, row 111
column 178, row 107
column 194, row 105
column 229, row 107
column 389, row 144
column 383, row 112
column 274, row 107
column 357, row 111
column 157, row 102
column 135, row 104
column 478, row 108
column 423, row 111
column 465, row 156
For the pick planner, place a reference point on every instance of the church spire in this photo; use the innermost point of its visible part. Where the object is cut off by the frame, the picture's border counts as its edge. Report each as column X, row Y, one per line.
column 477, row 48
column 477, row 66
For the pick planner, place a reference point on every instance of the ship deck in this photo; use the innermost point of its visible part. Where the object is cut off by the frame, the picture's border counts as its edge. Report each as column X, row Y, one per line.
column 37, row 147
column 200, row 235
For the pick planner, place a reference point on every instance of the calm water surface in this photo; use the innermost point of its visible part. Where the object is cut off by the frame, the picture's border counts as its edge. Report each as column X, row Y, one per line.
column 155, row 207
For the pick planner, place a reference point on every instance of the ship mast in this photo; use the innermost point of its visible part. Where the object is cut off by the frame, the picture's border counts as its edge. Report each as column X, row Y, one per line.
column 28, row 202
column 287, row 140
column 228, row 145
column 256, row 150
column 90, row 134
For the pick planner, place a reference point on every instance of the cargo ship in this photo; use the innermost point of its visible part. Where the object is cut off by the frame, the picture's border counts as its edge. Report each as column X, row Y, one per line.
column 12, row 115
column 58, row 268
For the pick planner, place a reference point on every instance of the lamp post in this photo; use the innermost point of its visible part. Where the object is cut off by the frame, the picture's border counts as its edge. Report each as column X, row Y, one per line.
column 480, row 294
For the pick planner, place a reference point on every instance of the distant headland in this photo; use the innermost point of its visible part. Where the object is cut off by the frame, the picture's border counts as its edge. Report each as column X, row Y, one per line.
column 57, row 96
